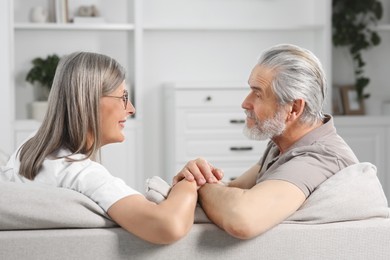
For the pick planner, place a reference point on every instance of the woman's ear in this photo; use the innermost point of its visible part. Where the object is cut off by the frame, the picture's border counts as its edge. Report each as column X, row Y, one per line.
column 296, row 109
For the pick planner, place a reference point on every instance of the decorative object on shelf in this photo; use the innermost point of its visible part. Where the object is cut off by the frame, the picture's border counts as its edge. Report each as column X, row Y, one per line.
column 88, row 10
column 352, row 104
column 42, row 75
column 88, row 14
column 38, row 14
column 353, row 23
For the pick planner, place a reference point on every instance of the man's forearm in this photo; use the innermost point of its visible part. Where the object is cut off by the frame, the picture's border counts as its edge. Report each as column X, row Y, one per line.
column 220, row 202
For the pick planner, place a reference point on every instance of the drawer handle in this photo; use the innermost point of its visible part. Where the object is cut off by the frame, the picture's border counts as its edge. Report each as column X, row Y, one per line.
column 209, row 98
column 243, row 148
column 237, row 121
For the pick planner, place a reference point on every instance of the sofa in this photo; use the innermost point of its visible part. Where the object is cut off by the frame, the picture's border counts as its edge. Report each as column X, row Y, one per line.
column 367, row 239
column 347, row 217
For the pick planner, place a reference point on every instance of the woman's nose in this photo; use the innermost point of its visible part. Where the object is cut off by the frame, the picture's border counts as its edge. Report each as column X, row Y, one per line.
column 130, row 108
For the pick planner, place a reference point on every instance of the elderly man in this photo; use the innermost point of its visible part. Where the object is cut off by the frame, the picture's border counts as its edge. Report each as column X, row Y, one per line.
column 284, row 104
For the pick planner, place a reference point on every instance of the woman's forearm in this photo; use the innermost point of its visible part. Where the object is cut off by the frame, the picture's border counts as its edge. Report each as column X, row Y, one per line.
column 179, row 207
column 162, row 223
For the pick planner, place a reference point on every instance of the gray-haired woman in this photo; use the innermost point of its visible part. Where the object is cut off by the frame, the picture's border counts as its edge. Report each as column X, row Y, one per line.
column 88, row 107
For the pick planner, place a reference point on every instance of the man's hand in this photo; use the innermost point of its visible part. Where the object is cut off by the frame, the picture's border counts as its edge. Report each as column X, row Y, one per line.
column 199, row 170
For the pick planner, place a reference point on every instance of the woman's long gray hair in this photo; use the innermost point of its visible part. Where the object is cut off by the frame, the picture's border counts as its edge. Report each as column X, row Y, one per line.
column 298, row 75
column 72, row 119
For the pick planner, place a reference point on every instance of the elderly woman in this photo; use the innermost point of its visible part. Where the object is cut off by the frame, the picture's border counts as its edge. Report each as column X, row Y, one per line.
column 88, row 107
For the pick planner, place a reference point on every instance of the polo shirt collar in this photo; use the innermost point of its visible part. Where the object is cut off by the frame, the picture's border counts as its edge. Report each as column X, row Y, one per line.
column 316, row 134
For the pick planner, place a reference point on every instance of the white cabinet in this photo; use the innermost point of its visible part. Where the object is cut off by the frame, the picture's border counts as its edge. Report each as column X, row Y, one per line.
column 207, row 121
column 369, row 138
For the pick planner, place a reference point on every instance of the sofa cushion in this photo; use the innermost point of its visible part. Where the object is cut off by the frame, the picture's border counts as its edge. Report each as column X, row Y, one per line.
column 353, row 193
column 31, row 206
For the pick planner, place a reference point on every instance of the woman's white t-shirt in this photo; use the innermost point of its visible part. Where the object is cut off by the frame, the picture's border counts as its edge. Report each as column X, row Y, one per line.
column 86, row 176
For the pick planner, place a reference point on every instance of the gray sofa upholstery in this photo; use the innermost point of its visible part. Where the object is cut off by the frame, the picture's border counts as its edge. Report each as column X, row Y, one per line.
column 366, row 239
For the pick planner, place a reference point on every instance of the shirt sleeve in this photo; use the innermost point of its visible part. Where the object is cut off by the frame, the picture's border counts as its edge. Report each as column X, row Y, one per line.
column 306, row 171
column 94, row 181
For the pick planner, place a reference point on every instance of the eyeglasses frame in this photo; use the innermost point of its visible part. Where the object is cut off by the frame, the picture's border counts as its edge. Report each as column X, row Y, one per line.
column 124, row 97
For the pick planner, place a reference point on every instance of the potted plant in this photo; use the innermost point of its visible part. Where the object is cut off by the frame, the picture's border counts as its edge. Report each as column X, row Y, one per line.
column 42, row 72
column 42, row 75
column 353, row 22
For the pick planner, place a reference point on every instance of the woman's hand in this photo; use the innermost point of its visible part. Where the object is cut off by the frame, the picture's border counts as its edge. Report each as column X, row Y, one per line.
column 199, row 170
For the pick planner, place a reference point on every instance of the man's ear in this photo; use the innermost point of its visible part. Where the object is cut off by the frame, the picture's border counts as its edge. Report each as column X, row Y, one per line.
column 296, row 109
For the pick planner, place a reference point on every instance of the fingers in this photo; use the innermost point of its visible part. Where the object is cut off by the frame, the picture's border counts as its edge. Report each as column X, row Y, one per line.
column 183, row 174
column 217, row 173
column 199, row 170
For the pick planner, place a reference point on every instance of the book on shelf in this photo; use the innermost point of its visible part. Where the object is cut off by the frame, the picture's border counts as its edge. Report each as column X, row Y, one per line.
column 61, row 11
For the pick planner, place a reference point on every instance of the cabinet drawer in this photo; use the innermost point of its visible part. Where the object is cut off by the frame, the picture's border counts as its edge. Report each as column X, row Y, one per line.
column 211, row 98
column 224, row 150
column 220, row 121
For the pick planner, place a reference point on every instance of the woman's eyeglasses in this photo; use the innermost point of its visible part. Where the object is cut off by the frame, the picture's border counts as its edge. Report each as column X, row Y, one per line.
column 125, row 97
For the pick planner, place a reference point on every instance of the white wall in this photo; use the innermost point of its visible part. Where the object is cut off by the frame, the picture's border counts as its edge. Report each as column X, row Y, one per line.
column 6, row 111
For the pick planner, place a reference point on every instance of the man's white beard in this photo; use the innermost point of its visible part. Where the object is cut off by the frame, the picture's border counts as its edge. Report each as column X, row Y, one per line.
column 266, row 129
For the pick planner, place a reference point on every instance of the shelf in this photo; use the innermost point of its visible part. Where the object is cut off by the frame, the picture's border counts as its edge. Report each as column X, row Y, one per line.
column 72, row 26
column 130, row 27
column 152, row 27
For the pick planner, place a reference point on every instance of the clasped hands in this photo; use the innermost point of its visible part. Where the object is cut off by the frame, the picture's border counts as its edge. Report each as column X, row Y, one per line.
column 198, row 170
column 201, row 171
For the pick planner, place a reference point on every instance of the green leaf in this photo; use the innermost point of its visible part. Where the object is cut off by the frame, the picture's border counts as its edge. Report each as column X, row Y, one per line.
column 375, row 39
column 43, row 70
column 378, row 10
